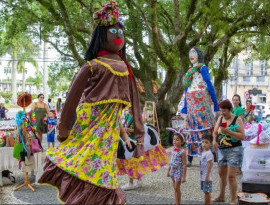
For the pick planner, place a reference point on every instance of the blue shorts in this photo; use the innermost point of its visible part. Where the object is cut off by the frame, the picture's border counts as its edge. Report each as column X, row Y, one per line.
column 231, row 157
column 51, row 137
column 206, row 187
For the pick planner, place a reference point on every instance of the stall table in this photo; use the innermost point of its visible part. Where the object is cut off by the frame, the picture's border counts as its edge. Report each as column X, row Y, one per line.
column 7, row 161
column 256, row 170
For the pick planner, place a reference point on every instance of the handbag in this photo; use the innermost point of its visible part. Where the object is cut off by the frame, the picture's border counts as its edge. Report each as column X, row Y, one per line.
column 2, row 139
column 35, row 146
column 35, row 143
column 18, row 148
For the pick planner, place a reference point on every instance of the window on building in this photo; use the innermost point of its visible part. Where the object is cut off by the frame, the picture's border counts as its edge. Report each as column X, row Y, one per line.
column 262, row 68
column 235, row 68
column 262, row 98
column 7, row 70
column 246, row 78
column 249, row 70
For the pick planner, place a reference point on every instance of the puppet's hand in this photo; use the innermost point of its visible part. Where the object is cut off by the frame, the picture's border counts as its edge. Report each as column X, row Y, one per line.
column 139, row 150
column 60, row 138
column 63, row 134
column 127, row 142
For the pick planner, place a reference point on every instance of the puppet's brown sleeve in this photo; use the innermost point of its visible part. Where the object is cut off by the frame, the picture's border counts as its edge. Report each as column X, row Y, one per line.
column 73, row 99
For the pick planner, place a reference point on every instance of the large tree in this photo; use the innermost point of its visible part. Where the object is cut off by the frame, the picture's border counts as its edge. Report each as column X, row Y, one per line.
column 15, row 41
column 159, row 35
column 217, row 27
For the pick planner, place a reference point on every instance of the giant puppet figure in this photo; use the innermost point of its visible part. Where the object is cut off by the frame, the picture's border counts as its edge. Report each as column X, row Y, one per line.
column 200, row 96
column 83, row 167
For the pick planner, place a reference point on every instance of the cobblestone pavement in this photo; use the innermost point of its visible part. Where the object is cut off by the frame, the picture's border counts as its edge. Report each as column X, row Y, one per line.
column 157, row 189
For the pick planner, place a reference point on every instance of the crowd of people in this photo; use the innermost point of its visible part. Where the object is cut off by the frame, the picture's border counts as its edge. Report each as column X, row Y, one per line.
column 224, row 140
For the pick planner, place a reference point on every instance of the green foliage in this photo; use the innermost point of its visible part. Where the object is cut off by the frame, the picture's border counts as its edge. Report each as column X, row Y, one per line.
column 6, row 95
column 262, row 44
column 34, row 96
column 164, row 134
column 37, row 80
column 62, row 74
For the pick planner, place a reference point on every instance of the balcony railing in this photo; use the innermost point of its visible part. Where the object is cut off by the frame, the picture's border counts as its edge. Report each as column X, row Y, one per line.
column 246, row 78
column 250, row 80
column 260, row 79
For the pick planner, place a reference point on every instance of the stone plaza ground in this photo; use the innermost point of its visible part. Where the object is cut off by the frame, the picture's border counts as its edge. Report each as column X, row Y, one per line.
column 157, row 189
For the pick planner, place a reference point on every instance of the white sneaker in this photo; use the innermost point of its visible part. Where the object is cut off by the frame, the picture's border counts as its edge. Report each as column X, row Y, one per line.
column 129, row 186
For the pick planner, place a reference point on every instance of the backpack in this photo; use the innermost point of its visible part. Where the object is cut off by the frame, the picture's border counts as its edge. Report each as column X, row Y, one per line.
column 7, row 177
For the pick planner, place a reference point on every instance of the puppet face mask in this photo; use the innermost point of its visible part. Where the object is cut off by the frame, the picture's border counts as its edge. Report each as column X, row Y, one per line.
column 193, row 56
column 115, row 39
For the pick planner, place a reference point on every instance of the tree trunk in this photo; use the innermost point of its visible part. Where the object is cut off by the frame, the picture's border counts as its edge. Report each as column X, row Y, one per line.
column 236, row 80
column 218, row 88
column 23, row 77
column 45, row 71
column 165, row 114
column 14, row 78
column 167, row 108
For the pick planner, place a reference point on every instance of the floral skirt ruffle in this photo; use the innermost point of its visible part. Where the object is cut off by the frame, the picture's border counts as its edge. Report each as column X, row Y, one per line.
column 89, row 153
column 72, row 190
column 151, row 161
column 200, row 119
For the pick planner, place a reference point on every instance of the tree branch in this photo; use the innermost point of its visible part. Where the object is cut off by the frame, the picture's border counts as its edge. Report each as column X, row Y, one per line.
column 56, row 48
column 176, row 17
column 167, row 15
column 69, row 33
column 47, row 5
column 166, row 85
column 142, row 15
column 83, row 4
column 181, row 36
column 191, row 9
column 166, row 25
column 198, row 36
column 157, row 39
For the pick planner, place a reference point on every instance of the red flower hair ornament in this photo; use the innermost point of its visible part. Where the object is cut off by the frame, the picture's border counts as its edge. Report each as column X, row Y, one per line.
column 108, row 15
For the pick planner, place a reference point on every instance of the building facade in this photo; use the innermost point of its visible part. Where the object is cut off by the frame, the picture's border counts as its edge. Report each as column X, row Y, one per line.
column 249, row 79
column 5, row 86
column 5, row 77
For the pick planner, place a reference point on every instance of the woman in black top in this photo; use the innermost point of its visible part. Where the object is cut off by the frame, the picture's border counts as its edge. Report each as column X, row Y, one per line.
column 228, row 133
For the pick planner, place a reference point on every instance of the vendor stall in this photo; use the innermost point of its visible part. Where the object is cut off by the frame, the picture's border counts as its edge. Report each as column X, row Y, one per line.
column 8, row 162
column 256, row 161
column 20, row 146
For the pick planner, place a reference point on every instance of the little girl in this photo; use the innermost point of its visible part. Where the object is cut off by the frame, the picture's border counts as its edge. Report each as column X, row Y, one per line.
column 177, row 170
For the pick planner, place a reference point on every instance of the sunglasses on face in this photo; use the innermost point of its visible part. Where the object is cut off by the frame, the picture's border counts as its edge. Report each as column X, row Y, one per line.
column 41, row 97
